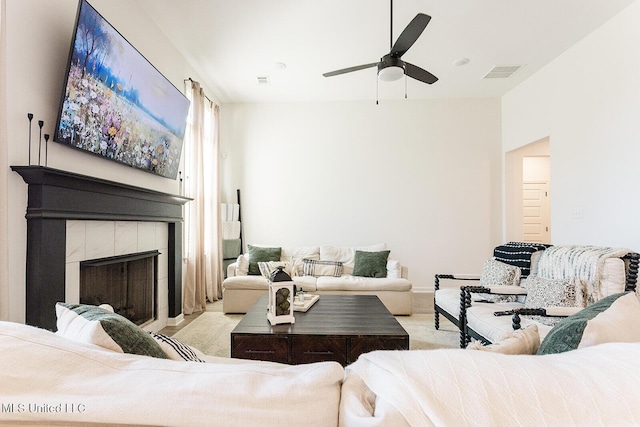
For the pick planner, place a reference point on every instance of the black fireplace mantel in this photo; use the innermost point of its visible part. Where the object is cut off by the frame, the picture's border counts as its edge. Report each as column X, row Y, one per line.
column 55, row 196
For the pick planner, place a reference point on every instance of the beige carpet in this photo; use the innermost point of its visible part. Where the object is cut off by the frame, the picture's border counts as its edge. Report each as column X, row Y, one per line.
column 210, row 332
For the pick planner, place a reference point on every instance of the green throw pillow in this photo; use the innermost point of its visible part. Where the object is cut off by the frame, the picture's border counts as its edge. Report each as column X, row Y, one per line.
column 371, row 264
column 94, row 325
column 259, row 254
column 567, row 334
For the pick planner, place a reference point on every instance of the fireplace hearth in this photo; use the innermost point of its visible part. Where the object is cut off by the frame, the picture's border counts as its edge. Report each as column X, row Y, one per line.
column 55, row 197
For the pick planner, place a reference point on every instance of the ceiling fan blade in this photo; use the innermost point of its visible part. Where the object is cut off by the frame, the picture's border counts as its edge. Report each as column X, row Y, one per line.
column 410, row 35
column 350, row 69
column 419, row 74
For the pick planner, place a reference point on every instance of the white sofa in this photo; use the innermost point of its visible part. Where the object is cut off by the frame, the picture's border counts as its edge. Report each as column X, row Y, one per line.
column 241, row 291
column 49, row 380
column 586, row 387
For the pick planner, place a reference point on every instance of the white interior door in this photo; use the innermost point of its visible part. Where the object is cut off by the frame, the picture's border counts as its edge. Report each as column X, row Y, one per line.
column 536, row 212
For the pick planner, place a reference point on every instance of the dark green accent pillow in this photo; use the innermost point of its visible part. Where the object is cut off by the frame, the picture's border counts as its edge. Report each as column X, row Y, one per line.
column 126, row 334
column 567, row 334
column 371, row 264
column 259, row 254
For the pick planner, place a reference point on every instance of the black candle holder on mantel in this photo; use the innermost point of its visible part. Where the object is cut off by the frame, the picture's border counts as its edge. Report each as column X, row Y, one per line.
column 46, row 142
column 40, row 125
column 30, row 118
column 46, row 149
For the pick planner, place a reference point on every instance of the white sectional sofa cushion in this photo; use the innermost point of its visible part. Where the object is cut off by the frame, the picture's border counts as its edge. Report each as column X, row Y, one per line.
column 478, row 388
column 355, row 283
column 245, row 282
column 480, row 317
column 307, row 283
column 448, row 299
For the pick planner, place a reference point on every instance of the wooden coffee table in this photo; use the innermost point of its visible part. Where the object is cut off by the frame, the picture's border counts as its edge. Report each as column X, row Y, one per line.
column 337, row 327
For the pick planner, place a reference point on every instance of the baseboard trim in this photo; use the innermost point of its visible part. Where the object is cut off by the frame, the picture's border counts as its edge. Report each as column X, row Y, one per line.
column 175, row 321
column 423, row 301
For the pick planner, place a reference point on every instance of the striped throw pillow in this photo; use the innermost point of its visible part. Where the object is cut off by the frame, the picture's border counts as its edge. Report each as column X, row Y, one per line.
column 175, row 350
column 316, row 268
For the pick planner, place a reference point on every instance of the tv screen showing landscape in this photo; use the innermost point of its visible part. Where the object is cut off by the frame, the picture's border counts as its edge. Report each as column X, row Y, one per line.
column 116, row 104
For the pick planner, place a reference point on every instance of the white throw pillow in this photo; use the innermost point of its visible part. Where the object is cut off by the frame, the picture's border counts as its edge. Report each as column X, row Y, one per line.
column 309, row 252
column 295, row 254
column 107, row 307
column 243, row 265
column 535, row 260
column 496, row 273
column 619, row 323
column 94, row 325
column 394, row 269
column 347, row 254
column 543, row 292
column 615, row 323
column 267, row 267
column 73, row 326
column 522, row 341
column 614, row 277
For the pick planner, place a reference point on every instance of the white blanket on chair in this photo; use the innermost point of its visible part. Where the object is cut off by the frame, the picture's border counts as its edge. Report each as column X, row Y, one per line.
column 584, row 262
column 593, row 386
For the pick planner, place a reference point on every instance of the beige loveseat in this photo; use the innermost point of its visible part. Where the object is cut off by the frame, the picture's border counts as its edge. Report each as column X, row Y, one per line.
column 241, row 290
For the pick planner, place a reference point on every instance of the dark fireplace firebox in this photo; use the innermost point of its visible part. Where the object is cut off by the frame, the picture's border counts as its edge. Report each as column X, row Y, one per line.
column 128, row 283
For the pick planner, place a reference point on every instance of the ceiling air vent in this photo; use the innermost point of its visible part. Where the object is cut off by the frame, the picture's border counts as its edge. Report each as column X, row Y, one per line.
column 502, row 71
column 263, row 81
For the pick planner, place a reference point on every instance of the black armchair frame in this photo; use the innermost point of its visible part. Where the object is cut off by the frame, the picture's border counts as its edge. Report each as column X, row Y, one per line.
column 437, row 310
column 632, row 262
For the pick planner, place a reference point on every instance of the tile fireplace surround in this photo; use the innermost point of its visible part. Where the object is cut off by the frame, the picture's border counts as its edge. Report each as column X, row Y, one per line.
column 89, row 240
column 68, row 213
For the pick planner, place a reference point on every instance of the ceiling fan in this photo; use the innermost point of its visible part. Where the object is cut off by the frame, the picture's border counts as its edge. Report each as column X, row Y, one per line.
column 391, row 66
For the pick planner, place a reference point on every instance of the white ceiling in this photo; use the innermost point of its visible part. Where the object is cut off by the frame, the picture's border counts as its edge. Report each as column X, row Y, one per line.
column 232, row 42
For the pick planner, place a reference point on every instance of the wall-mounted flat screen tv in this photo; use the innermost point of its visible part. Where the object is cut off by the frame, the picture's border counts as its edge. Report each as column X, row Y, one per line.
column 117, row 105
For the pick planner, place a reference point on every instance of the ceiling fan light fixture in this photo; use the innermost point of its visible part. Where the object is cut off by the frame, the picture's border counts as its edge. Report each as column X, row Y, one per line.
column 391, row 73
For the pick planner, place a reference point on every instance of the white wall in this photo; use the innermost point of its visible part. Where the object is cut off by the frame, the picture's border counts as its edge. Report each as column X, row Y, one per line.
column 4, row 193
column 422, row 176
column 587, row 102
column 38, row 38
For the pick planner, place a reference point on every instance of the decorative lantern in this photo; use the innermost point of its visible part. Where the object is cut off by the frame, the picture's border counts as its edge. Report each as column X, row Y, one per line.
column 280, row 308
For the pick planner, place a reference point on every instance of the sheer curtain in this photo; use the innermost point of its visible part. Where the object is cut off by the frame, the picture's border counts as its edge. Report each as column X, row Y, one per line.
column 203, row 246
